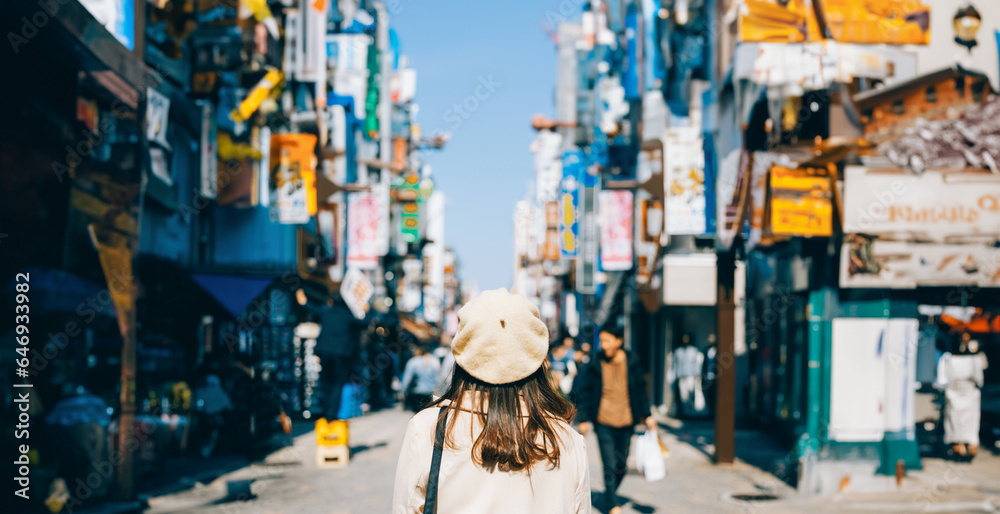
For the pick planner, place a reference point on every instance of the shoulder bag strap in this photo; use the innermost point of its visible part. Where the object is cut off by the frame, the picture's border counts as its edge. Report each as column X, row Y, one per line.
column 432, row 480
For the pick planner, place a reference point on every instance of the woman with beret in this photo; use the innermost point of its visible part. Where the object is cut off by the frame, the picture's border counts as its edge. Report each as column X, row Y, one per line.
column 499, row 440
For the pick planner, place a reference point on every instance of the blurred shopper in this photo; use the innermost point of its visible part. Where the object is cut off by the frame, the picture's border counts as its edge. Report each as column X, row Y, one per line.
column 420, row 378
column 503, row 440
column 211, row 403
column 447, row 367
column 612, row 400
column 563, row 367
column 961, row 375
column 688, row 361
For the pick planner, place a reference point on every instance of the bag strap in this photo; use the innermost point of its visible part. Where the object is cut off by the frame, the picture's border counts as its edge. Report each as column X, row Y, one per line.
column 432, row 480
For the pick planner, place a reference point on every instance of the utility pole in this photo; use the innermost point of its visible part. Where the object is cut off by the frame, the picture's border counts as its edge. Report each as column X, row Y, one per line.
column 725, row 362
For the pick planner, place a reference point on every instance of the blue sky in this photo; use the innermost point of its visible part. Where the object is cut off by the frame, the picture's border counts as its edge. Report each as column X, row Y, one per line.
column 502, row 49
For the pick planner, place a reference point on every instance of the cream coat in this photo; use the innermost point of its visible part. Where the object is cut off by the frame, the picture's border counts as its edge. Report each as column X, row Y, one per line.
column 465, row 488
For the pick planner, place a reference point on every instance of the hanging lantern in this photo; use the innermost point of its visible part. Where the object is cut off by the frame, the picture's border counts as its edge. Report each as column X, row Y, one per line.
column 967, row 23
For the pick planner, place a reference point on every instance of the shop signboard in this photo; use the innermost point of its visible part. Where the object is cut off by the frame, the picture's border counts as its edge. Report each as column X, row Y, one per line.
column 348, row 57
column 685, row 181
column 293, row 177
column 569, row 201
column 362, row 230
column 760, row 167
column 357, row 291
column 410, row 293
column 157, row 118
column 801, row 203
column 933, row 206
column 934, row 229
column 869, row 262
column 616, row 210
column 589, row 239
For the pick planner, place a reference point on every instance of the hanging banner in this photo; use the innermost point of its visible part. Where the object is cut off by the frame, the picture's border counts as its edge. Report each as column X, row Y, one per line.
column 586, row 265
column 312, row 65
column 685, row 181
column 293, row 178
column 208, row 151
column 616, row 210
column 569, row 201
column 362, row 231
column 548, row 165
column 357, row 291
column 382, row 191
column 116, row 262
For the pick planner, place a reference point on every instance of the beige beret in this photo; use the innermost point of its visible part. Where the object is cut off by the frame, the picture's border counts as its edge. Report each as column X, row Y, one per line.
column 500, row 337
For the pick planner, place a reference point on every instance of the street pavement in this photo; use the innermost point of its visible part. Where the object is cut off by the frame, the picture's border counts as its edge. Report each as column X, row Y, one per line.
column 288, row 481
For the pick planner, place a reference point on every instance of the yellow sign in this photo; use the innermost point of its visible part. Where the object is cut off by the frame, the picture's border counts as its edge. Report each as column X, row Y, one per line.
column 116, row 262
column 800, row 202
column 257, row 95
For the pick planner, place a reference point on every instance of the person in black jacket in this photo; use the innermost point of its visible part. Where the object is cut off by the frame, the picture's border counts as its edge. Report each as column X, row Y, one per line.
column 612, row 400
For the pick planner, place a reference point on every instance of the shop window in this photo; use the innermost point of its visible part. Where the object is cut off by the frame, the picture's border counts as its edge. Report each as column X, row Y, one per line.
column 931, row 94
column 977, row 91
column 899, row 107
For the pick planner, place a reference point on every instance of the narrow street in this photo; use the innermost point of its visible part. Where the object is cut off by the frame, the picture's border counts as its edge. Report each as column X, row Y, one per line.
column 288, row 481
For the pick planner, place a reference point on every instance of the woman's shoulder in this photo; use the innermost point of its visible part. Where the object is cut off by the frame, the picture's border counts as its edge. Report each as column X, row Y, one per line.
column 570, row 437
column 425, row 420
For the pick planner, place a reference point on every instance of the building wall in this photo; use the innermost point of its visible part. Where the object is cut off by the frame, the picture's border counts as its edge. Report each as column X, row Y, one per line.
column 943, row 51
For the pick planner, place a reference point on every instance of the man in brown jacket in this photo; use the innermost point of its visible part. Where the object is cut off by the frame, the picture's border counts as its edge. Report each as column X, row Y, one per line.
column 612, row 399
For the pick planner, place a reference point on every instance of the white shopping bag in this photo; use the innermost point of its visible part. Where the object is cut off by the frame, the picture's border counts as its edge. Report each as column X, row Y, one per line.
column 649, row 456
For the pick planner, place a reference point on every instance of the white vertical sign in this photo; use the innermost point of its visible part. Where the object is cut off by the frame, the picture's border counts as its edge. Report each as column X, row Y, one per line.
column 362, row 231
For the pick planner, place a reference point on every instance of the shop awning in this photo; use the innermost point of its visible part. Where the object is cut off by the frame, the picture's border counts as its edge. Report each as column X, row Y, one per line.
column 56, row 290
column 233, row 292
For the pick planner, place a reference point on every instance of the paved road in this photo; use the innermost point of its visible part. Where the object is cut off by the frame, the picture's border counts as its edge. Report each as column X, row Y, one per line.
column 288, row 482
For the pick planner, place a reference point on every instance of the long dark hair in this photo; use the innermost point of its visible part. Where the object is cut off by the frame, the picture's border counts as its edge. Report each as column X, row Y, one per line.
column 510, row 438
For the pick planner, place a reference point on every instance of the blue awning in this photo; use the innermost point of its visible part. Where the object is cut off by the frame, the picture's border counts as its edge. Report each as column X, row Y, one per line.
column 233, row 292
column 57, row 290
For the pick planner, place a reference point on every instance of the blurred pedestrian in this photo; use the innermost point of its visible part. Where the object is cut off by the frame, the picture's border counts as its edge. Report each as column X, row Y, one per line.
column 447, row 367
column 563, row 367
column 688, row 362
column 960, row 374
column 499, row 440
column 420, row 378
column 612, row 400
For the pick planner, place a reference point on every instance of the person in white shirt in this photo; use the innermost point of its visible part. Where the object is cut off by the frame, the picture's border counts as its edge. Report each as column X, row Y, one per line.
column 960, row 374
column 504, row 438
